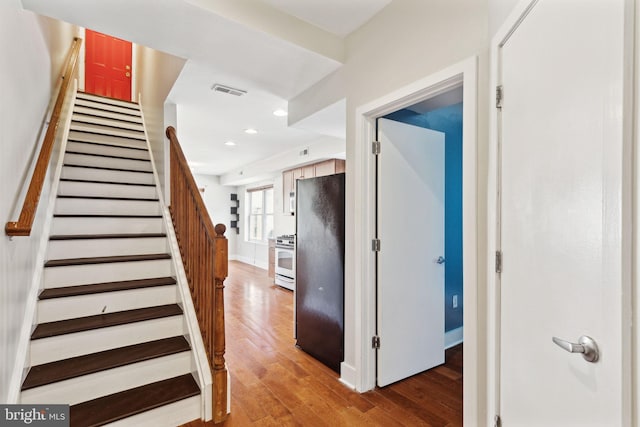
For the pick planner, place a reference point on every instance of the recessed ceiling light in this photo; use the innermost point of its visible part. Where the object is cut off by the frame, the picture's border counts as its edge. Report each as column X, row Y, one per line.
column 230, row 143
column 251, row 131
column 280, row 113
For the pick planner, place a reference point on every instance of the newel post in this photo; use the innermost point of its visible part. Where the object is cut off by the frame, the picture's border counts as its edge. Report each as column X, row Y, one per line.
column 221, row 265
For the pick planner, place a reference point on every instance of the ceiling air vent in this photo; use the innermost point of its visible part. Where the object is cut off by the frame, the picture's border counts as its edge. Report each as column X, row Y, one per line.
column 227, row 89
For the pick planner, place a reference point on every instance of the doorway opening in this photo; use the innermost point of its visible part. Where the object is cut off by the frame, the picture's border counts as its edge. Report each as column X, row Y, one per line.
column 419, row 272
column 362, row 374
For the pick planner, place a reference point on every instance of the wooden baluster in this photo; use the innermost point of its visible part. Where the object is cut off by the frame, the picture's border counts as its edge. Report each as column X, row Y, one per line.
column 219, row 365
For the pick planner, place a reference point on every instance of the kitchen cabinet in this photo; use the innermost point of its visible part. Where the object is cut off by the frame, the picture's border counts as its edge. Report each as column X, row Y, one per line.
column 287, row 187
column 272, row 258
column 289, row 177
column 329, row 167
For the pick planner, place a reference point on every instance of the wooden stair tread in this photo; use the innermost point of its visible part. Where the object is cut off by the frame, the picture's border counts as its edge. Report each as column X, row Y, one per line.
column 104, row 216
column 80, row 324
column 117, row 406
column 107, row 156
column 96, row 288
column 105, row 259
column 87, row 364
column 135, row 199
column 93, row 181
column 105, row 236
column 106, row 100
column 104, row 144
column 105, row 168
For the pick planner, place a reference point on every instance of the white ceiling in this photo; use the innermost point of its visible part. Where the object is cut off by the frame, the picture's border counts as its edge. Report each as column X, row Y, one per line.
column 340, row 17
column 221, row 50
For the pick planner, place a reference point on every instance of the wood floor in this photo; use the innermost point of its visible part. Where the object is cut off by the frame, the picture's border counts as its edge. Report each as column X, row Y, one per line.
column 275, row 384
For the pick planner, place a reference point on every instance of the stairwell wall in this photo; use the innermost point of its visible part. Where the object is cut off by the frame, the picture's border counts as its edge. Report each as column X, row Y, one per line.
column 32, row 50
column 155, row 75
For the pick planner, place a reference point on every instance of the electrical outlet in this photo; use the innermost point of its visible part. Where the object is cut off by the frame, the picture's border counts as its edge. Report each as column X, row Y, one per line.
column 455, row 301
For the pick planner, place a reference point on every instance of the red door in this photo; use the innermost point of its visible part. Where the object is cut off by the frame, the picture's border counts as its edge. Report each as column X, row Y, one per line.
column 107, row 66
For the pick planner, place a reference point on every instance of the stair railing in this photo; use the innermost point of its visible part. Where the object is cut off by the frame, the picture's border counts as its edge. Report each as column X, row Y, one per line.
column 204, row 254
column 22, row 227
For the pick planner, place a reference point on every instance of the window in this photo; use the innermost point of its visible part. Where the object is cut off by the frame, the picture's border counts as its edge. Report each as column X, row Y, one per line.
column 260, row 214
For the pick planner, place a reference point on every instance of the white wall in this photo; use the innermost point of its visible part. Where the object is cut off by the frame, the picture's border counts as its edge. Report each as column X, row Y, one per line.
column 499, row 10
column 26, row 86
column 217, row 198
column 155, row 76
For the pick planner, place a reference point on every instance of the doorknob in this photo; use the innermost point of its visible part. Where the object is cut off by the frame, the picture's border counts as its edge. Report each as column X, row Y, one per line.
column 127, row 67
column 586, row 345
column 128, row 74
column 440, row 260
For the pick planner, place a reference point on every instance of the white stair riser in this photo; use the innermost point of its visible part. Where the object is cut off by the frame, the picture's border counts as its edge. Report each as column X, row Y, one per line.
column 83, row 248
column 174, row 414
column 72, row 275
column 106, row 150
column 75, row 226
column 54, row 309
column 107, row 162
column 106, row 114
column 104, row 102
column 106, row 139
column 106, row 207
column 92, row 189
column 103, row 130
column 92, row 386
column 61, row 347
column 83, row 118
column 89, row 174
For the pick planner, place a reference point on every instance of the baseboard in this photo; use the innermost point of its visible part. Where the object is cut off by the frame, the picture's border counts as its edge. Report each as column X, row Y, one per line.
column 453, row 337
column 348, row 375
column 260, row 264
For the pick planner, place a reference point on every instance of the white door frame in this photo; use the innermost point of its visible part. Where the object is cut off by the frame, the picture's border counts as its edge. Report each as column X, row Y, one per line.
column 630, row 113
column 363, row 375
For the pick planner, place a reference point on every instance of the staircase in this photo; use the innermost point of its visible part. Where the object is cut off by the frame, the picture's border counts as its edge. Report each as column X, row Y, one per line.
column 111, row 338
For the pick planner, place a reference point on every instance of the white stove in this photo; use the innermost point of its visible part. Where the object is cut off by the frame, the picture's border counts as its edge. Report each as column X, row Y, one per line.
column 286, row 261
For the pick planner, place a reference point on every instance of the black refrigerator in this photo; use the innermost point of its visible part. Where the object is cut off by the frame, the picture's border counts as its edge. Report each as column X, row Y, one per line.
column 319, row 290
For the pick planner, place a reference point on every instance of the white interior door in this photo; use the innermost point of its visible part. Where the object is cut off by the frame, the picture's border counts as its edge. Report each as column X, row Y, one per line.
column 563, row 187
column 411, row 231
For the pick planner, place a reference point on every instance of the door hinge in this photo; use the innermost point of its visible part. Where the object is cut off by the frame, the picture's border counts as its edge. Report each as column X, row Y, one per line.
column 375, row 147
column 498, row 262
column 375, row 245
column 499, row 95
column 375, row 342
column 497, row 422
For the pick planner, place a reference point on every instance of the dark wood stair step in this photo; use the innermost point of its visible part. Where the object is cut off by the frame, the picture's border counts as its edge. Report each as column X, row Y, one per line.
column 104, row 144
column 105, row 260
column 96, row 288
column 107, row 100
column 93, row 181
column 81, row 121
column 105, row 168
column 134, row 199
column 109, row 156
column 105, row 236
column 130, row 402
column 104, row 216
column 90, row 363
column 81, row 324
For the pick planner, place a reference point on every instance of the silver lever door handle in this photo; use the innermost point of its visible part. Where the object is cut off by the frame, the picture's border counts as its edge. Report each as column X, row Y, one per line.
column 440, row 260
column 586, row 346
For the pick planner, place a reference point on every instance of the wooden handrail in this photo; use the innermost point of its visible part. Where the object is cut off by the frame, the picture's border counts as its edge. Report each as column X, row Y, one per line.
column 22, row 227
column 204, row 254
